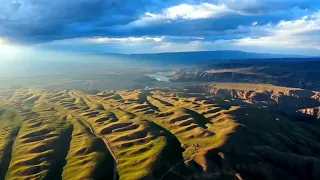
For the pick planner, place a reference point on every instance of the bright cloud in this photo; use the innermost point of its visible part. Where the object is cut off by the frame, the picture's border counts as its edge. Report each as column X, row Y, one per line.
column 186, row 12
column 300, row 33
column 201, row 11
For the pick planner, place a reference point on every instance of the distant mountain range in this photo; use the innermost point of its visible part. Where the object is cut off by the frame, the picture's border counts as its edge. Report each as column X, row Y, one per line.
column 30, row 66
column 198, row 56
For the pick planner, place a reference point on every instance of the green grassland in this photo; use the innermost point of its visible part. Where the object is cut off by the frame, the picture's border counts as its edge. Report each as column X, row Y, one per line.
column 54, row 138
column 147, row 134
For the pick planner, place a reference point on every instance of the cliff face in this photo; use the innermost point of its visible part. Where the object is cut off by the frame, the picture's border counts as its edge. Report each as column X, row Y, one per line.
column 304, row 75
column 222, row 77
column 235, row 77
column 287, row 99
column 315, row 112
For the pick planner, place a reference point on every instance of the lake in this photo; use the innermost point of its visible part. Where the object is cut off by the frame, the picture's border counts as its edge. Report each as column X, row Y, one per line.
column 159, row 77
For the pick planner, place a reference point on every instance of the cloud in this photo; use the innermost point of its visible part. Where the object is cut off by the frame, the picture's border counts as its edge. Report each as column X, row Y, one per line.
column 300, row 33
column 125, row 40
column 160, row 25
column 190, row 12
column 34, row 21
column 265, row 6
column 299, row 36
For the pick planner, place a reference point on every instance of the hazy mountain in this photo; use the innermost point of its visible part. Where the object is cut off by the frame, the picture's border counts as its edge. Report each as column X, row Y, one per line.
column 198, row 56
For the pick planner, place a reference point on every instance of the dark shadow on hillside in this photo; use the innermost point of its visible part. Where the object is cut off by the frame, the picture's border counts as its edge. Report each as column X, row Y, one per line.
column 105, row 168
column 264, row 146
column 163, row 102
column 171, row 156
column 58, row 158
column 199, row 119
column 6, row 157
column 143, row 98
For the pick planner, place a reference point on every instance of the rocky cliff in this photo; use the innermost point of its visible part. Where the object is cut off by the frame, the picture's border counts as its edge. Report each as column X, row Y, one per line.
column 304, row 75
column 289, row 100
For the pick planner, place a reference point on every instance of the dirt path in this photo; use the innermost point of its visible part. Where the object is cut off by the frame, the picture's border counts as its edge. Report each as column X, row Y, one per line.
column 107, row 144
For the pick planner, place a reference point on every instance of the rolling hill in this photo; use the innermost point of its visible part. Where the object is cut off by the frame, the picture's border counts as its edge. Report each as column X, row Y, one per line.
column 159, row 134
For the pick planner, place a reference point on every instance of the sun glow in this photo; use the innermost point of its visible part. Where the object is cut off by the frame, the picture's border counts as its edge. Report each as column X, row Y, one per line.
column 1, row 41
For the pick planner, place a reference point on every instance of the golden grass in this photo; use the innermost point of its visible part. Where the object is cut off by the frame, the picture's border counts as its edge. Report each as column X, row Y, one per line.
column 36, row 146
column 253, row 87
column 138, row 125
column 82, row 158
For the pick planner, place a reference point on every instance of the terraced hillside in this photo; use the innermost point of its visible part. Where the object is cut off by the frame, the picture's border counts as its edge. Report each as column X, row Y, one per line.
column 151, row 134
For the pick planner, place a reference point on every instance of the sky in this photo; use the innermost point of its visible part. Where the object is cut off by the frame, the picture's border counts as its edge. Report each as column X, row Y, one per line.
column 38, row 28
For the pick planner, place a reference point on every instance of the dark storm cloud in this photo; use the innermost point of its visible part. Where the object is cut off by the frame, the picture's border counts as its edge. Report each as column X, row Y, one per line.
column 43, row 20
column 34, row 21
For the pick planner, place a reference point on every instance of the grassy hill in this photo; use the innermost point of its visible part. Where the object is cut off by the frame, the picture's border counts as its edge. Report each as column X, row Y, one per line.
column 151, row 134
